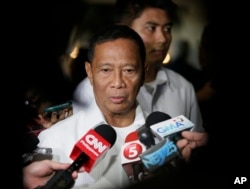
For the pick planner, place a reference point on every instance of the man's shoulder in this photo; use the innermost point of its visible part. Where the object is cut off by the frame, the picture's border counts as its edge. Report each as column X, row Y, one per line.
column 83, row 92
column 173, row 73
column 84, row 83
column 61, row 125
column 175, row 77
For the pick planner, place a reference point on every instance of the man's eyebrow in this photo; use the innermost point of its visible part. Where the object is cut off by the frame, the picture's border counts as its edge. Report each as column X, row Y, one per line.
column 170, row 24
column 104, row 64
column 156, row 24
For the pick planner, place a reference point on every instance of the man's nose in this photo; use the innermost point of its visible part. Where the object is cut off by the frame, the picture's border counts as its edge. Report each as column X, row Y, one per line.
column 118, row 81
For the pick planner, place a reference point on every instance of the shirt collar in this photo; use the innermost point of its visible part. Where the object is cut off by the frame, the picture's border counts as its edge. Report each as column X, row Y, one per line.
column 161, row 77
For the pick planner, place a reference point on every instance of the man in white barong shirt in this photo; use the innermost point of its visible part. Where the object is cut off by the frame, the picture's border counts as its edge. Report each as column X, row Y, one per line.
column 115, row 68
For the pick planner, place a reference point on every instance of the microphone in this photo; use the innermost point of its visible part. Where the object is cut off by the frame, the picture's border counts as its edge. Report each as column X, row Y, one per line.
column 130, row 160
column 159, row 155
column 144, row 133
column 171, row 128
column 156, row 155
column 87, row 152
column 156, row 117
column 165, row 151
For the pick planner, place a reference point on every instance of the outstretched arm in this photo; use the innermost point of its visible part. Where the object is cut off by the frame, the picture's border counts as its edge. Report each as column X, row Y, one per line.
column 39, row 172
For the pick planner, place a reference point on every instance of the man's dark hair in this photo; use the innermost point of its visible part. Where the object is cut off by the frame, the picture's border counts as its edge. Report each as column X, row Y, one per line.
column 113, row 32
column 128, row 10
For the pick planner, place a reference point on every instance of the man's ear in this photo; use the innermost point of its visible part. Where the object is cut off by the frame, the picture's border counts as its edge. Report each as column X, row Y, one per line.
column 54, row 117
column 89, row 71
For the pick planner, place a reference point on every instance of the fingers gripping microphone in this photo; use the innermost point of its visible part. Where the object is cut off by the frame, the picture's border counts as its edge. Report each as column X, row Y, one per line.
column 87, row 152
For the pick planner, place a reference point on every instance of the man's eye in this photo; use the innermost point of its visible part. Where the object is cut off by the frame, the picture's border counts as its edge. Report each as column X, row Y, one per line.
column 167, row 29
column 129, row 70
column 105, row 70
column 151, row 28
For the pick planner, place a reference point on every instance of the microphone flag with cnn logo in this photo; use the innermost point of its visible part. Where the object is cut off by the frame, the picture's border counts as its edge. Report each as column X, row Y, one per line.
column 93, row 145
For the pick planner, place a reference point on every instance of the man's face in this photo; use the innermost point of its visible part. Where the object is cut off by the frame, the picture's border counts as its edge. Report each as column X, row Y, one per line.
column 154, row 27
column 116, row 75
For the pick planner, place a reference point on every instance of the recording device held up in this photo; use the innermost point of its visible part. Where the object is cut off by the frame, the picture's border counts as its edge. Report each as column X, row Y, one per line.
column 87, row 152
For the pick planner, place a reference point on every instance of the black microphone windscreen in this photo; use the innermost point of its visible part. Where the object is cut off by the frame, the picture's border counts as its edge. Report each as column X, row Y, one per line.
column 146, row 136
column 107, row 132
column 156, row 117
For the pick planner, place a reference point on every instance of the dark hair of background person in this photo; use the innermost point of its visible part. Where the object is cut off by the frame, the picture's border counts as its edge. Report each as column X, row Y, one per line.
column 127, row 11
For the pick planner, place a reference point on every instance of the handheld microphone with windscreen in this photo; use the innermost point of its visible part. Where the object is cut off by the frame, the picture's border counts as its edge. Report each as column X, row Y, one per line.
column 145, row 134
column 162, row 153
column 130, row 160
column 171, row 128
column 87, row 152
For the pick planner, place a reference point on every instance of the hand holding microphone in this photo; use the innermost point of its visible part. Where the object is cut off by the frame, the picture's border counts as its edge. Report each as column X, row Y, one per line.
column 167, row 130
column 177, row 129
column 37, row 172
column 87, row 152
column 158, row 154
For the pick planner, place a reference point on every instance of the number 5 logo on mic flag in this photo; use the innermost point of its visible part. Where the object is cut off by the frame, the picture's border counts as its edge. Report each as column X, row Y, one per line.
column 132, row 151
